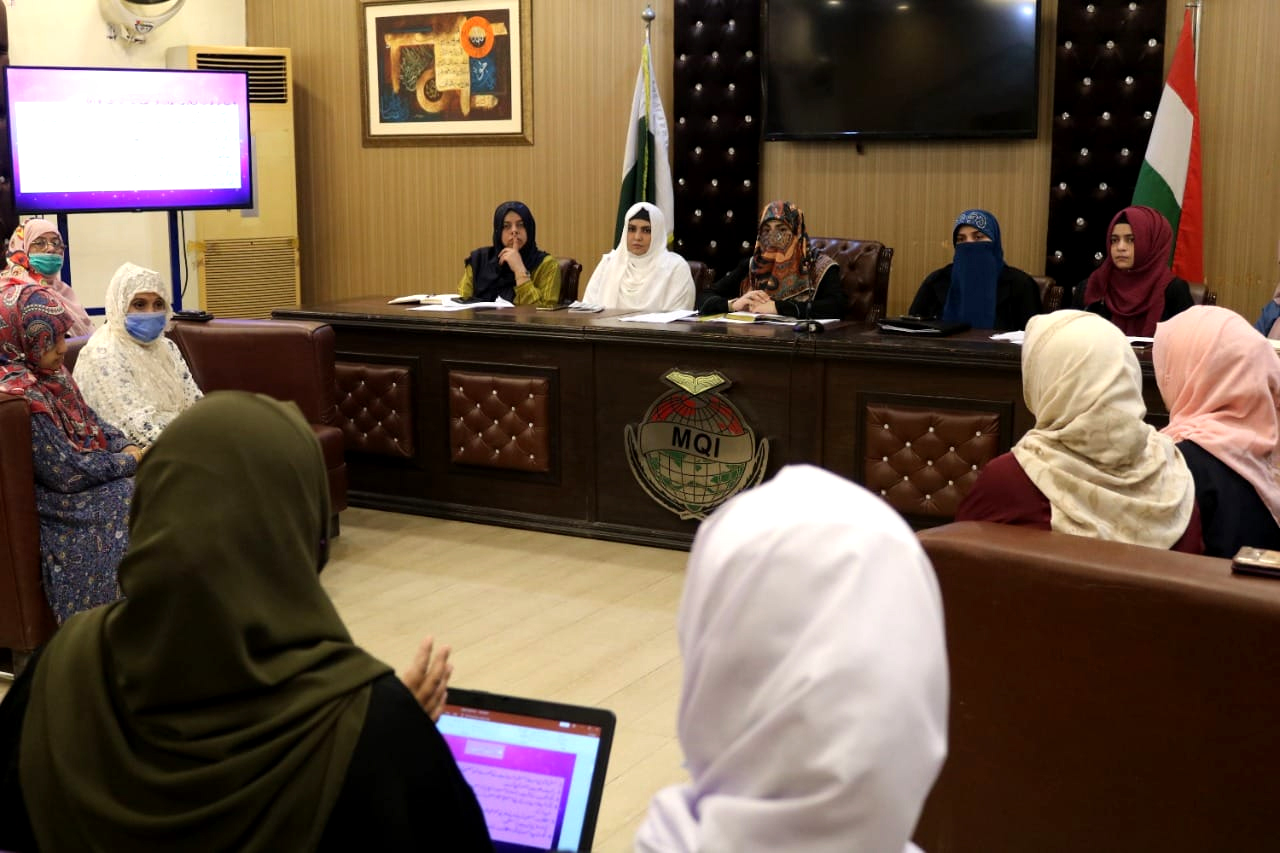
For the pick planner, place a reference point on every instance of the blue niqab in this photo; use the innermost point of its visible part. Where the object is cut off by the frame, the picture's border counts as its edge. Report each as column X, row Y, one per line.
column 974, row 274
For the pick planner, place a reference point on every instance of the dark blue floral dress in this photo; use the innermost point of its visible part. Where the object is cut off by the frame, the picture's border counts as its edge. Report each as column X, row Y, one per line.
column 83, row 500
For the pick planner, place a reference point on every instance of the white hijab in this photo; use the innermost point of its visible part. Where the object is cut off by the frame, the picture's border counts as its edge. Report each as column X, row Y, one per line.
column 658, row 280
column 139, row 387
column 1106, row 473
column 813, row 712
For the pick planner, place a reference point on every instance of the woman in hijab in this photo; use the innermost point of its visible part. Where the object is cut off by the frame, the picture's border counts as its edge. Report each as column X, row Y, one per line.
column 1220, row 380
column 36, row 254
column 1090, row 466
column 784, row 275
column 129, row 372
column 1134, row 287
column 513, row 268
column 978, row 287
column 641, row 274
column 221, row 705
column 813, row 710
column 83, row 467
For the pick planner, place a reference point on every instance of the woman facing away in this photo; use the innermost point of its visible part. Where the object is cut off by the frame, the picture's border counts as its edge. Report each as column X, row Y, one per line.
column 1134, row 287
column 512, row 267
column 83, row 466
column 641, row 274
column 978, row 287
column 1220, row 380
column 129, row 372
column 813, row 707
column 36, row 254
column 221, row 705
column 784, row 275
column 1090, row 466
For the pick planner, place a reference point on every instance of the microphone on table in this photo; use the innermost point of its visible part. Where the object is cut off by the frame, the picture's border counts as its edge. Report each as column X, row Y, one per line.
column 809, row 325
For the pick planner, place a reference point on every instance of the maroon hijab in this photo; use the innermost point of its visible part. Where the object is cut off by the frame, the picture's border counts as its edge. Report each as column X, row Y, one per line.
column 1135, row 296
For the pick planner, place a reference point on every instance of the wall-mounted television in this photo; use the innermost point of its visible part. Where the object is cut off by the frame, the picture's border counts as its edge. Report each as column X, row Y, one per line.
column 900, row 69
column 101, row 139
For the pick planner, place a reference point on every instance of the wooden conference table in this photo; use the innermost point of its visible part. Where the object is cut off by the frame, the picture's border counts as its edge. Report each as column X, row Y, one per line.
column 589, row 425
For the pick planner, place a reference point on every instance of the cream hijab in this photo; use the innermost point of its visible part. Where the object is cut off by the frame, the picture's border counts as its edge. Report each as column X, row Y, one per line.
column 1106, row 473
column 1221, row 382
column 813, row 711
column 120, row 375
column 658, row 280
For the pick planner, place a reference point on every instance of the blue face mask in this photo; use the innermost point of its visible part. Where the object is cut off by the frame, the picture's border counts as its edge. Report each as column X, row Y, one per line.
column 46, row 263
column 145, row 327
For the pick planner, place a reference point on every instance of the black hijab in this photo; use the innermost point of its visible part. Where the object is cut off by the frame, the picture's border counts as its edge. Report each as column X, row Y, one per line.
column 493, row 279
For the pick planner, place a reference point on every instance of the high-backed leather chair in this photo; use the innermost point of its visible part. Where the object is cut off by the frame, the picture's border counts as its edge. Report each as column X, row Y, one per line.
column 864, row 274
column 1202, row 295
column 570, row 274
column 1050, row 293
column 1103, row 697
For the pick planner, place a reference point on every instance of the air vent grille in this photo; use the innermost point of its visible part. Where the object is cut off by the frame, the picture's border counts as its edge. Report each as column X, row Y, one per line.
column 268, row 74
column 248, row 278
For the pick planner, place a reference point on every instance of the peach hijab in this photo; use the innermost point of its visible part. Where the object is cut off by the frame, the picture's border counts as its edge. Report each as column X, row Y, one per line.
column 1221, row 382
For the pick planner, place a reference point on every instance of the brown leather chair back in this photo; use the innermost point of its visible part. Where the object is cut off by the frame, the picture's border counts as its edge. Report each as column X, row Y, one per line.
column 1050, row 293
column 864, row 274
column 570, row 274
column 703, row 275
column 1103, row 697
column 26, row 621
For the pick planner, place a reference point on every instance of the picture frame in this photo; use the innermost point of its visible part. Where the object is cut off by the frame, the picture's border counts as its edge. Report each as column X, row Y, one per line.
column 447, row 72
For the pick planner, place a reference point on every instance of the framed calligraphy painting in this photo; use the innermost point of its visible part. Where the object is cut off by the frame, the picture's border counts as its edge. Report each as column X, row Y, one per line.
column 447, row 71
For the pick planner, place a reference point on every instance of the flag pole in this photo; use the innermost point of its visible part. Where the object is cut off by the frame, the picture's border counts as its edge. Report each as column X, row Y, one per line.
column 1198, row 7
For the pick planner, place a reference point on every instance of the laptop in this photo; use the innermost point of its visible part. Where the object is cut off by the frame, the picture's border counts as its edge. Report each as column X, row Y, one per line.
column 536, row 767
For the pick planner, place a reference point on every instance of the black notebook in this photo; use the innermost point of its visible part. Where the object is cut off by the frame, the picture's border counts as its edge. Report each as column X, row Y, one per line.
column 916, row 326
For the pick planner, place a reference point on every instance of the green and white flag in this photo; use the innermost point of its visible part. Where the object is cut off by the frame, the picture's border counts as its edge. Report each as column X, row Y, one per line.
column 646, row 168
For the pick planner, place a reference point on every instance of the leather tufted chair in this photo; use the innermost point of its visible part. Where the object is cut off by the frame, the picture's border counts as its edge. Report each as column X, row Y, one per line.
column 864, row 274
column 1104, row 696
column 1050, row 293
column 1202, row 295
column 570, row 274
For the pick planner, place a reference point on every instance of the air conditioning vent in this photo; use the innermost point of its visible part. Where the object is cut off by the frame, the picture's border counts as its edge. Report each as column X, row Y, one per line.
column 268, row 74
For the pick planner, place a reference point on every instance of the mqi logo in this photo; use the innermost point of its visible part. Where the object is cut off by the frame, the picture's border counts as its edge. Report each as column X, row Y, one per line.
column 693, row 451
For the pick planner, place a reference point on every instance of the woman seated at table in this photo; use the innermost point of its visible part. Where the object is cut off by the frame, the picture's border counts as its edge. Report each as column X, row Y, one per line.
column 1267, row 320
column 1090, row 466
column 1134, row 287
column 1221, row 383
column 83, row 466
column 641, row 274
column 784, row 275
column 222, row 704
column 36, row 254
column 978, row 287
column 513, row 268
column 813, row 712
column 129, row 372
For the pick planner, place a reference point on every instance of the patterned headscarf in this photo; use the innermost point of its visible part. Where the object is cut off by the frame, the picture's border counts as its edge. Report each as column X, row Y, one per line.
column 20, row 272
column 793, row 272
column 31, row 319
column 1135, row 296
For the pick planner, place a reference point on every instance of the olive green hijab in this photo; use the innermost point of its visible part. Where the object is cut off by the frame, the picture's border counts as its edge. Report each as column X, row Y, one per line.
column 218, row 705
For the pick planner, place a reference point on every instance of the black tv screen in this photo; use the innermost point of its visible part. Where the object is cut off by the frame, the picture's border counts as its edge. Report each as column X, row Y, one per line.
column 900, row 69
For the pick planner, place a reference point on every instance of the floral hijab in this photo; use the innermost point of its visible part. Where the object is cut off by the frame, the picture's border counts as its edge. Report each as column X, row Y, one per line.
column 20, row 272
column 31, row 319
column 789, row 272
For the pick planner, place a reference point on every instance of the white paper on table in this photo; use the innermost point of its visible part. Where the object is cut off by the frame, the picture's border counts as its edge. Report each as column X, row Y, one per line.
column 658, row 317
column 1014, row 337
column 580, row 307
column 421, row 298
column 451, row 303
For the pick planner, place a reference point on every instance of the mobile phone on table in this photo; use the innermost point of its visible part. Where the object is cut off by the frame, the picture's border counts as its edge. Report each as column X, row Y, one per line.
column 552, row 307
column 1256, row 561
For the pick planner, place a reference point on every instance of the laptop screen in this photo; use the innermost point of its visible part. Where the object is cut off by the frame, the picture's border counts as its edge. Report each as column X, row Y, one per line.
column 537, row 768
